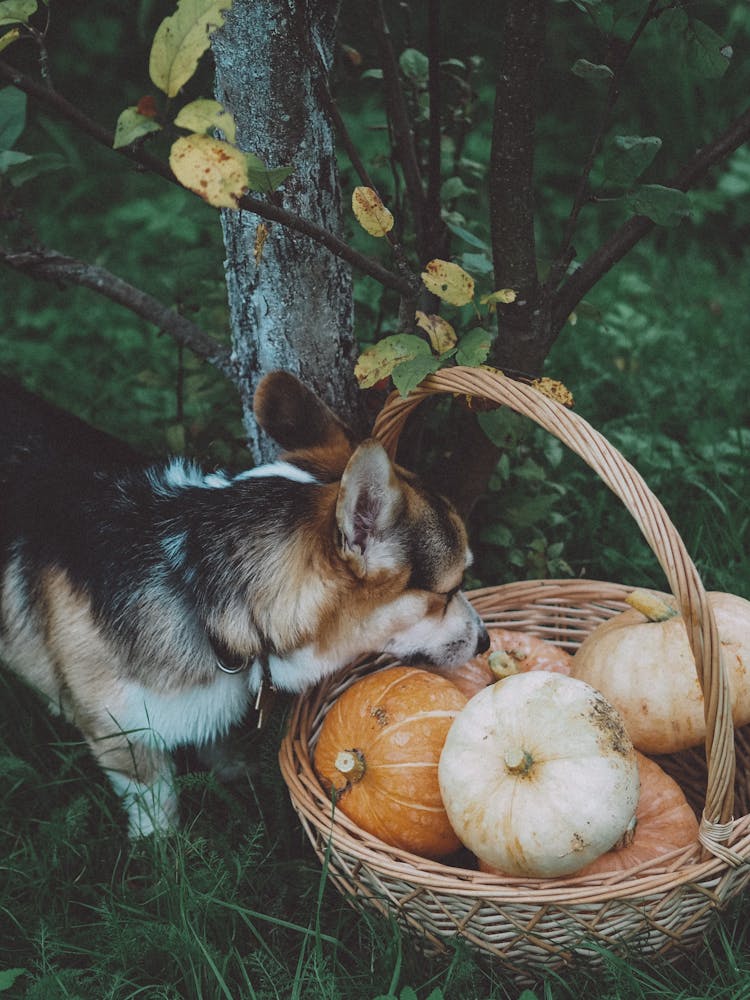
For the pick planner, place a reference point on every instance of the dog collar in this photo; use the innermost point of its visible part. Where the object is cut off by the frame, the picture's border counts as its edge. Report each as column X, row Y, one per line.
column 230, row 663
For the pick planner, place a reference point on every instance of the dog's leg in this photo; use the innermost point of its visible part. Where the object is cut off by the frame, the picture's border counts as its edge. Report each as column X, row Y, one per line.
column 143, row 777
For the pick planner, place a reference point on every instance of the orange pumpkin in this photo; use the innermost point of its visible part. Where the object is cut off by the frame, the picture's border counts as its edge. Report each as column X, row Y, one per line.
column 378, row 750
column 664, row 822
column 510, row 652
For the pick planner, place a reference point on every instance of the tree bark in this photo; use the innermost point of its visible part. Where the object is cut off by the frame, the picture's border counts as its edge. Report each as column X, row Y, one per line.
column 293, row 309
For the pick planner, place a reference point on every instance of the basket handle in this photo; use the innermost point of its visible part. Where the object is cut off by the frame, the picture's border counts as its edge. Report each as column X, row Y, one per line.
column 659, row 532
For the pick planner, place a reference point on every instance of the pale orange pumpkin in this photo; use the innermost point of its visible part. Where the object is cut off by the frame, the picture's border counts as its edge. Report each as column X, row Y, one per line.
column 664, row 822
column 641, row 662
column 378, row 750
column 510, row 652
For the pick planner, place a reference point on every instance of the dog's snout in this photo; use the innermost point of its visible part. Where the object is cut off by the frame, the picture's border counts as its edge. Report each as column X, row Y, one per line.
column 483, row 642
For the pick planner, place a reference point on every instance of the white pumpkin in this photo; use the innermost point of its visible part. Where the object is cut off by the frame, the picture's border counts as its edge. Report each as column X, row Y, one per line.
column 538, row 775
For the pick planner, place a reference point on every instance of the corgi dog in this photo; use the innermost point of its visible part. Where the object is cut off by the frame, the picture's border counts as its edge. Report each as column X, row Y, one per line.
column 150, row 604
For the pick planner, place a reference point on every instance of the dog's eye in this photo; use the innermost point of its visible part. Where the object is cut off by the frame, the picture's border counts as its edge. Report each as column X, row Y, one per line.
column 450, row 594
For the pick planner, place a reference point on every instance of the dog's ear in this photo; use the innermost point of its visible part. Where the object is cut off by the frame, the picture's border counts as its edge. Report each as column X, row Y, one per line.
column 294, row 416
column 368, row 506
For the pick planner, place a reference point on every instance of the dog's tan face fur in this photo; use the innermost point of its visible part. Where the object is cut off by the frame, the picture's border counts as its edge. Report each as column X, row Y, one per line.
column 307, row 564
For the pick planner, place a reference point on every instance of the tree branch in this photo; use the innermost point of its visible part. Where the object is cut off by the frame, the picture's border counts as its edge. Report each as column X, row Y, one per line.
column 48, row 265
column 404, row 145
column 265, row 209
column 631, row 232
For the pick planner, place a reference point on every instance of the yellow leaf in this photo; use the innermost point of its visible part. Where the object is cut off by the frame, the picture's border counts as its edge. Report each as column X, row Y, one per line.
column 131, row 126
column 505, row 295
column 181, row 40
column 370, row 212
column 261, row 235
column 441, row 333
column 555, row 390
column 9, row 37
column 211, row 168
column 449, row 282
column 204, row 115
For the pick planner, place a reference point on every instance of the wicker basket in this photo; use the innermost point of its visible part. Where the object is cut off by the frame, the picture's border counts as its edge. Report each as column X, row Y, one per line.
column 530, row 925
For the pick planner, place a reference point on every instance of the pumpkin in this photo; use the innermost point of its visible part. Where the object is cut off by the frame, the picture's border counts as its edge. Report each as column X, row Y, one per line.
column 664, row 822
column 510, row 652
column 538, row 775
column 378, row 751
column 641, row 662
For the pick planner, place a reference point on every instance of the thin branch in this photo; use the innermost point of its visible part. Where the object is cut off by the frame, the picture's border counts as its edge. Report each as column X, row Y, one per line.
column 437, row 237
column 565, row 253
column 404, row 144
column 631, row 232
column 48, row 265
column 265, row 209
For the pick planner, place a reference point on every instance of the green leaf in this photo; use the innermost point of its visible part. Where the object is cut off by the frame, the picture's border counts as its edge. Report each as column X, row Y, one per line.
column 8, row 978
column 34, row 166
column 16, row 11
column 591, row 71
column 663, row 205
column 476, row 263
column 409, row 374
column 378, row 361
column 473, row 348
column 262, row 178
column 181, row 40
column 628, row 156
column 10, row 158
column 503, row 427
column 467, row 237
column 454, row 187
column 12, row 115
column 415, row 66
column 132, row 125
column 707, row 53
column 205, row 115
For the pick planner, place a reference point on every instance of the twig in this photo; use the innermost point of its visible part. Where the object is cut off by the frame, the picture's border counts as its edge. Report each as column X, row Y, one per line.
column 265, row 209
column 48, row 265
column 564, row 255
column 626, row 237
column 433, row 86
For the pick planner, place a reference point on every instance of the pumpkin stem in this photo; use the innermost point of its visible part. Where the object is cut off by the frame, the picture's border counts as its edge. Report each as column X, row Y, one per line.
column 350, row 763
column 517, row 761
column 653, row 607
column 628, row 837
column 502, row 664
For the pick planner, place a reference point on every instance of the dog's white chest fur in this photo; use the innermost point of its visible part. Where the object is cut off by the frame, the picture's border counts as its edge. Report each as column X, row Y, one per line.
column 195, row 715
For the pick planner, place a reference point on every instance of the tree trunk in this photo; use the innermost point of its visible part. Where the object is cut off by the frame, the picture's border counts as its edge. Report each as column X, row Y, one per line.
column 522, row 343
column 294, row 309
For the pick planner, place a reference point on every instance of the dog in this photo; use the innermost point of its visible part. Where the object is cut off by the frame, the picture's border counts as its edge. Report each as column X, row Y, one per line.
column 150, row 604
